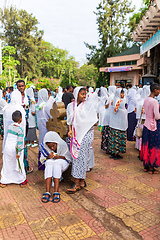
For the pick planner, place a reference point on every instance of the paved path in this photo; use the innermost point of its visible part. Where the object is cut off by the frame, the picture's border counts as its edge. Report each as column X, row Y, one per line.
column 119, row 202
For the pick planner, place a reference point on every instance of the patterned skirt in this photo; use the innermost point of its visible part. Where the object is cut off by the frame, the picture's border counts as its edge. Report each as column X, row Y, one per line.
column 117, row 141
column 1, row 125
column 105, row 139
column 150, row 150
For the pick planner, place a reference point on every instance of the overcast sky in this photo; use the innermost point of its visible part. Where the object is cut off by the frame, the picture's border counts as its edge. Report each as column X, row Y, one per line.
column 67, row 24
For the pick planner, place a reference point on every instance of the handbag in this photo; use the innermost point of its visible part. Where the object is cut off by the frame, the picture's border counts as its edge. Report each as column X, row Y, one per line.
column 139, row 130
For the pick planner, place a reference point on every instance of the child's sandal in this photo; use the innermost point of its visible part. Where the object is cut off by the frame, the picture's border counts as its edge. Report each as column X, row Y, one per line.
column 73, row 189
column 56, row 197
column 24, row 184
column 46, row 197
column 2, row 185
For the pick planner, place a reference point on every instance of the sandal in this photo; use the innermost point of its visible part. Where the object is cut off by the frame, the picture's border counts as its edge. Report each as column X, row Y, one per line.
column 153, row 171
column 117, row 157
column 83, row 184
column 46, row 199
column 73, row 189
column 146, row 169
column 3, row 185
column 23, row 184
column 29, row 170
column 57, row 198
column 112, row 155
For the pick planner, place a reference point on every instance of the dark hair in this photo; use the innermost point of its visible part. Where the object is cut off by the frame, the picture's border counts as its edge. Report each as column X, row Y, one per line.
column 49, row 92
column 68, row 87
column 82, row 89
column 122, row 91
column 16, row 116
column 154, row 86
column 64, row 89
column 4, row 90
column 7, row 88
column 11, row 89
column 19, row 81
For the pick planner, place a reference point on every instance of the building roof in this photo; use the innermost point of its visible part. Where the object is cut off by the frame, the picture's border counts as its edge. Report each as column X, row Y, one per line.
column 129, row 51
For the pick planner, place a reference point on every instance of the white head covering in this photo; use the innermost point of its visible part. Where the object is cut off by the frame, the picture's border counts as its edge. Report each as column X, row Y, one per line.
column 90, row 90
column 42, row 97
column 82, row 118
column 111, row 90
column 62, row 148
column 145, row 93
column 50, row 102
column 30, row 93
column 118, row 120
column 132, row 100
column 97, row 90
column 102, row 110
column 3, row 103
column 59, row 95
column 15, row 104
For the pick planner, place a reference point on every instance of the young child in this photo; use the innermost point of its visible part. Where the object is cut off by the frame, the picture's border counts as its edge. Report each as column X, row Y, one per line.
column 12, row 172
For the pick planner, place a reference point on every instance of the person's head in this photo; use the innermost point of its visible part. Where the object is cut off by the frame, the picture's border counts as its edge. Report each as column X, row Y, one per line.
column 56, row 90
column 140, row 85
column 81, row 95
column 52, row 146
column 4, row 93
column 17, row 116
column 64, row 90
column 122, row 93
column 21, row 86
column 49, row 93
column 69, row 88
column 7, row 89
column 155, row 88
column 11, row 89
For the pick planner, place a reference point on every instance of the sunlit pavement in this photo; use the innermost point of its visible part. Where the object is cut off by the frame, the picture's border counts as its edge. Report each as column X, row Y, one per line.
column 119, row 202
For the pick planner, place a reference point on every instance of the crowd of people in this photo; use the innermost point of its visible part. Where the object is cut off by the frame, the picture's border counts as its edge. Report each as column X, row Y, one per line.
column 119, row 112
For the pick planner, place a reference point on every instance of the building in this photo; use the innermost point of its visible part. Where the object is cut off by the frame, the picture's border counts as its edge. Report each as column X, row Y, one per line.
column 148, row 32
column 123, row 67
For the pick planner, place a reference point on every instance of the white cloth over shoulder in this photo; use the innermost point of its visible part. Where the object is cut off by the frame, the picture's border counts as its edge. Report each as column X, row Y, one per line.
column 103, row 121
column 31, row 118
column 15, row 104
column 3, row 103
column 145, row 93
column 132, row 100
column 118, row 120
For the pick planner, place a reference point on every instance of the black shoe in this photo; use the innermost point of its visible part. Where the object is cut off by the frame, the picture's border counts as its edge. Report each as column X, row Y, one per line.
column 118, row 157
column 112, row 156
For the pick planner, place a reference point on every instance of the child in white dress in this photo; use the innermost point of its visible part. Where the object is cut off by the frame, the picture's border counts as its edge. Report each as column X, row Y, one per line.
column 13, row 166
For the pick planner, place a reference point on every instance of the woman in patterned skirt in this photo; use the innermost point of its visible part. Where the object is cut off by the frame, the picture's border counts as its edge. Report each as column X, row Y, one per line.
column 81, row 117
column 118, row 125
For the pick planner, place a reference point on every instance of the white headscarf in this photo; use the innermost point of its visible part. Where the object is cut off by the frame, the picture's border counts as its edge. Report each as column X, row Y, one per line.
column 111, row 90
column 42, row 97
column 50, row 102
column 132, row 100
column 118, row 120
column 30, row 93
column 3, row 103
column 15, row 104
column 145, row 93
column 102, row 110
column 82, row 118
column 59, row 95
column 62, row 148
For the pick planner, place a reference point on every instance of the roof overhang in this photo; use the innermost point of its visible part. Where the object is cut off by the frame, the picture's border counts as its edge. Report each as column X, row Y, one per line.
column 149, row 23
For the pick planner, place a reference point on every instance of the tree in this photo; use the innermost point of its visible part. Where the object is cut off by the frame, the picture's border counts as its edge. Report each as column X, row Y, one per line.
column 20, row 31
column 137, row 16
column 113, row 32
column 9, row 73
column 87, row 75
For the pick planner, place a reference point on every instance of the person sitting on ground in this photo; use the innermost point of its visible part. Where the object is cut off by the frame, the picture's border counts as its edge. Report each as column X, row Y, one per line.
column 56, row 156
column 12, row 171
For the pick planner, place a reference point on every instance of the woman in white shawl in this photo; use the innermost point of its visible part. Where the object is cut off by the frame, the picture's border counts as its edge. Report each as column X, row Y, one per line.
column 139, row 113
column 3, row 103
column 81, row 117
column 31, row 133
column 59, row 94
column 132, row 121
column 42, row 117
column 56, row 156
column 118, row 125
column 103, row 124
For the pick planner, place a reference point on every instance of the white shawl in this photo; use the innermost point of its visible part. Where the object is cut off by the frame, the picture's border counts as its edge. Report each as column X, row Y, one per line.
column 102, row 110
column 145, row 93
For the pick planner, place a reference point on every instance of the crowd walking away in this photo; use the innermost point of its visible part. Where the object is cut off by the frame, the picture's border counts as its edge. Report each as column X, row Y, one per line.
column 121, row 115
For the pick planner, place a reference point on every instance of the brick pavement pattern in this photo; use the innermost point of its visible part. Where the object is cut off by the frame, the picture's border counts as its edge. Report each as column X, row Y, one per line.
column 119, row 202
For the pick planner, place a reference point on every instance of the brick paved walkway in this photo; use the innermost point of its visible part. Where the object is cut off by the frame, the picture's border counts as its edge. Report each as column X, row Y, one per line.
column 119, row 202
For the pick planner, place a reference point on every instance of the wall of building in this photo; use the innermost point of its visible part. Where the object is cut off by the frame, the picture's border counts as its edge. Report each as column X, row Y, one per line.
column 133, row 76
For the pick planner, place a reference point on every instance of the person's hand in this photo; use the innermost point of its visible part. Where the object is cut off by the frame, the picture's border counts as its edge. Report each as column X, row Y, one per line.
column 51, row 155
column 17, row 156
column 33, row 113
column 70, row 134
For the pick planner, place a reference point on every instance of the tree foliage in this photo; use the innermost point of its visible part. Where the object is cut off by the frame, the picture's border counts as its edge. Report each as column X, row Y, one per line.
column 137, row 16
column 113, row 31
